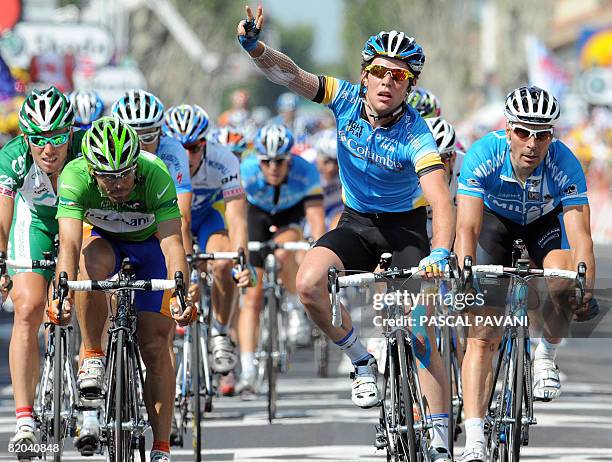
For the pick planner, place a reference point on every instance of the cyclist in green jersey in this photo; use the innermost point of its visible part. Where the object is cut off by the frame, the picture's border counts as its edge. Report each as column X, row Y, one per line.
column 30, row 165
column 129, row 199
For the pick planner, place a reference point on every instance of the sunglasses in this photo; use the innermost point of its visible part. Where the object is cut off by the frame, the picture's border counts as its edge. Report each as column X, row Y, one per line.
column 194, row 148
column 115, row 176
column 277, row 162
column 397, row 74
column 55, row 140
column 149, row 138
column 525, row 133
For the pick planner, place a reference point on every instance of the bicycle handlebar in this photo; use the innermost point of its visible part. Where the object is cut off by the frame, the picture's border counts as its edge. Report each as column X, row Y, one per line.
column 151, row 284
column 256, row 246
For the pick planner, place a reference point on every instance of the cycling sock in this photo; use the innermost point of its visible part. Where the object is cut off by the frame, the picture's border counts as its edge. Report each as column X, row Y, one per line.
column 217, row 328
column 90, row 419
column 93, row 353
column 354, row 349
column 474, row 433
column 439, row 431
column 25, row 417
column 163, row 446
column 247, row 362
column 546, row 350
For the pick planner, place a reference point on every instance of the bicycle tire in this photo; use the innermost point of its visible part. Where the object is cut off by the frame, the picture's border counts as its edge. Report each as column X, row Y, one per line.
column 447, row 357
column 196, row 395
column 271, row 357
column 406, row 397
column 321, row 350
column 517, row 397
column 122, row 439
column 391, row 421
column 58, row 391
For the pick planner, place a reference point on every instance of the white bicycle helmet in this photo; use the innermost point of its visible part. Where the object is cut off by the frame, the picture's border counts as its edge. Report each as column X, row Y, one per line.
column 443, row 133
column 139, row 109
column 326, row 144
column 532, row 105
column 273, row 141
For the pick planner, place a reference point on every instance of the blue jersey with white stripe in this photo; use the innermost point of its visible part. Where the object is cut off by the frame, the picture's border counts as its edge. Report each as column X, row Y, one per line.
column 379, row 167
column 171, row 151
column 487, row 173
column 302, row 182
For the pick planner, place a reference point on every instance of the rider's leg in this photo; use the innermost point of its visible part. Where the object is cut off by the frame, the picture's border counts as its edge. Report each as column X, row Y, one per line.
column 154, row 337
column 248, row 325
column 286, row 258
column 224, row 288
column 29, row 295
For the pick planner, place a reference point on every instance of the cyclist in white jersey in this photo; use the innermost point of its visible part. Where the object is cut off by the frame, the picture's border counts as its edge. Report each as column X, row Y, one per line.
column 217, row 217
column 144, row 112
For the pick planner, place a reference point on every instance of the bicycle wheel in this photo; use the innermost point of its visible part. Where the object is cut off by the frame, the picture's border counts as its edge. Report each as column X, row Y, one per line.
column 122, row 439
column 195, row 391
column 447, row 358
column 390, row 413
column 272, row 352
column 58, row 391
column 517, row 397
column 321, row 352
column 408, row 440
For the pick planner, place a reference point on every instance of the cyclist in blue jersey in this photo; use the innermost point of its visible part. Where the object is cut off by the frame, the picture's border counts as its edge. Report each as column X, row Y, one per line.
column 389, row 169
column 281, row 190
column 88, row 107
column 144, row 112
column 518, row 183
column 217, row 217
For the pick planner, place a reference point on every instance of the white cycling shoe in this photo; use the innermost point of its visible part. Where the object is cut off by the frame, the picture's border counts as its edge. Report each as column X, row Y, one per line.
column 22, row 441
column 159, row 456
column 223, row 353
column 473, row 454
column 440, row 455
column 546, row 381
column 364, row 390
column 91, row 375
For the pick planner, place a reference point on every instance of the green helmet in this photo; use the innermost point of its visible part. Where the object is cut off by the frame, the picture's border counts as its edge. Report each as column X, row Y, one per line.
column 45, row 111
column 110, row 145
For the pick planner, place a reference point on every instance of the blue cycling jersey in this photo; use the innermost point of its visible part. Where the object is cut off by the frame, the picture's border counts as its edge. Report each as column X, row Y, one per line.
column 379, row 167
column 171, row 151
column 487, row 173
column 302, row 182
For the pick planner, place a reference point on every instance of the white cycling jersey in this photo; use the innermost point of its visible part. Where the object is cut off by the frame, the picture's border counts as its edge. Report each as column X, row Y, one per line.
column 218, row 177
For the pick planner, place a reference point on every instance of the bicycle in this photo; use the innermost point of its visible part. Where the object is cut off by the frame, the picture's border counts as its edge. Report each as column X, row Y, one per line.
column 56, row 404
column 123, row 424
column 404, row 421
column 273, row 347
column 510, row 406
column 194, row 376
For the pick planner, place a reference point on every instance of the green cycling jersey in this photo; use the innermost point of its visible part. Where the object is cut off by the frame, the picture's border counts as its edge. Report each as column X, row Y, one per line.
column 152, row 201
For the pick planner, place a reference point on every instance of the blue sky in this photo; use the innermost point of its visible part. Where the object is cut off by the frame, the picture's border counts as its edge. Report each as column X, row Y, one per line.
column 324, row 15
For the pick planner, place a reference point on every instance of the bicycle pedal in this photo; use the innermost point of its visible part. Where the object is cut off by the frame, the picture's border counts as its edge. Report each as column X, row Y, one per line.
column 381, row 441
column 90, row 402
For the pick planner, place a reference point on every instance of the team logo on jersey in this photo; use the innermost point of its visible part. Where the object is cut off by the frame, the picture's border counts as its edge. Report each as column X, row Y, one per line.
column 7, row 181
column 354, row 128
column 18, row 165
column 229, row 178
column 533, row 195
column 571, row 190
column 535, row 183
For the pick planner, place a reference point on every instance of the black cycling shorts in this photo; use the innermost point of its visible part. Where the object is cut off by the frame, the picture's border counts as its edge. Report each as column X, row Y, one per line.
column 361, row 238
column 495, row 245
column 260, row 221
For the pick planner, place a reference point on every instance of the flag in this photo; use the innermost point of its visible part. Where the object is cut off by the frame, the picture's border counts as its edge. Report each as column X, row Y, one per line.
column 543, row 68
column 7, row 82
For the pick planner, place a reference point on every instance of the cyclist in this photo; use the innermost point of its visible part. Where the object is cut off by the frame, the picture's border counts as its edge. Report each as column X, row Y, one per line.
column 424, row 102
column 452, row 157
column 218, row 218
column 518, row 182
column 281, row 190
column 144, row 112
column 129, row 199
column 30, row 165
column 384, row 151
column 88, row 107
column 327, row 164
column 230, row 137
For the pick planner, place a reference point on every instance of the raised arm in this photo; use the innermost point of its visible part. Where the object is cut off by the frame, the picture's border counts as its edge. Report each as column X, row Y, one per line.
column 276, row 66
